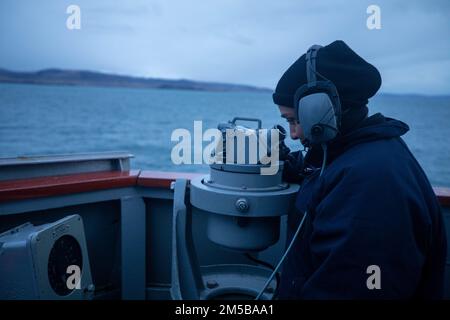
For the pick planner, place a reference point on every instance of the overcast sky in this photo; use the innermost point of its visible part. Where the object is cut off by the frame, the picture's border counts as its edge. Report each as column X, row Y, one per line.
column 237, row 41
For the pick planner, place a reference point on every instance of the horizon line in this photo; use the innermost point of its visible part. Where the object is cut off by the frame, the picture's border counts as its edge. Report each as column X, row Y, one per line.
column 256, row 88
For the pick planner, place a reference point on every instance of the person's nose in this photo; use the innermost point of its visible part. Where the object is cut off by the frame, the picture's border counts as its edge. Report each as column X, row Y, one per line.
column 294, row 133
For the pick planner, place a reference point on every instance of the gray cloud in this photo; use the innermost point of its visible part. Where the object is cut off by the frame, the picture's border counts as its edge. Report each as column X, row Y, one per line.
column 250, row 42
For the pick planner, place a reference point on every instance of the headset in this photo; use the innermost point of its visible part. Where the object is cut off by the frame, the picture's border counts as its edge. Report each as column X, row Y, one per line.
column 317, row 104
column 318, row 110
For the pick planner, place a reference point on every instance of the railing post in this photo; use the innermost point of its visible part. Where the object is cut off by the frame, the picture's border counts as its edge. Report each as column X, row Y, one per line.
column 133, row 248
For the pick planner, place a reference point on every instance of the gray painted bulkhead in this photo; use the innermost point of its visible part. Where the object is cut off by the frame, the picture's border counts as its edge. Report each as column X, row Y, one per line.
column 128, row 235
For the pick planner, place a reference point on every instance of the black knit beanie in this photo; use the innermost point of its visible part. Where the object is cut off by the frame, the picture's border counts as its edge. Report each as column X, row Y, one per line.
column 355, row 79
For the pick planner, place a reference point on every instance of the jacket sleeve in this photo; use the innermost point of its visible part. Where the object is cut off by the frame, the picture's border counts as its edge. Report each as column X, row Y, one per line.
column 363, row 224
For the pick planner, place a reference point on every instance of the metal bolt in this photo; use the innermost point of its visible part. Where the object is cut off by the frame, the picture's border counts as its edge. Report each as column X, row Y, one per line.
column 172, row 185
column 242, row 205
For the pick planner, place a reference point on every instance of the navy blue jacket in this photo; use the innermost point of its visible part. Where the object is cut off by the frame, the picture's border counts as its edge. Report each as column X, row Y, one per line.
column 373, row 205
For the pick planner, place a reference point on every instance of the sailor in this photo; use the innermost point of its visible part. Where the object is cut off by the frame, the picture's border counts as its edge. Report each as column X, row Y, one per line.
column 374, row 229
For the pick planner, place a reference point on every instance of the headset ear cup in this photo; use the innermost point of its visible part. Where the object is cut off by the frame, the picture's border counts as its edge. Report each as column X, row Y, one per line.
column 317, row 117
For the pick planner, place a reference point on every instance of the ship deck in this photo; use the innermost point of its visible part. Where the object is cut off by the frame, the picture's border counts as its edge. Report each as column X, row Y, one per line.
column 127, row 217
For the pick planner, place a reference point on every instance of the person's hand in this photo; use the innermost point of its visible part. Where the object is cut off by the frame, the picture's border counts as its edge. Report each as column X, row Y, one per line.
column 293, row 167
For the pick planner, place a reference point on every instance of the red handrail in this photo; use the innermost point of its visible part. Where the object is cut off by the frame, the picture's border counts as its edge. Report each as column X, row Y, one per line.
column 65, row 184
column 158, row 179
column 12, row 190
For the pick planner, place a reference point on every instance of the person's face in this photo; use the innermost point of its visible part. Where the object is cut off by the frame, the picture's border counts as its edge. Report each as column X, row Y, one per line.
column 295, row 128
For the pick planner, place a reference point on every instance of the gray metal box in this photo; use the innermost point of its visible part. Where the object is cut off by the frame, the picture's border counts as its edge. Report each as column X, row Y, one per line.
column 34, row 261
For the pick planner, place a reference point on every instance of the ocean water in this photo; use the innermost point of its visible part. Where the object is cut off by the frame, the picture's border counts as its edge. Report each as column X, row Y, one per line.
column 37, row 120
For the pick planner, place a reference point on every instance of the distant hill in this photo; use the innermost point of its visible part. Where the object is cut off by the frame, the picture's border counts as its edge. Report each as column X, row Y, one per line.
column 91, row 78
